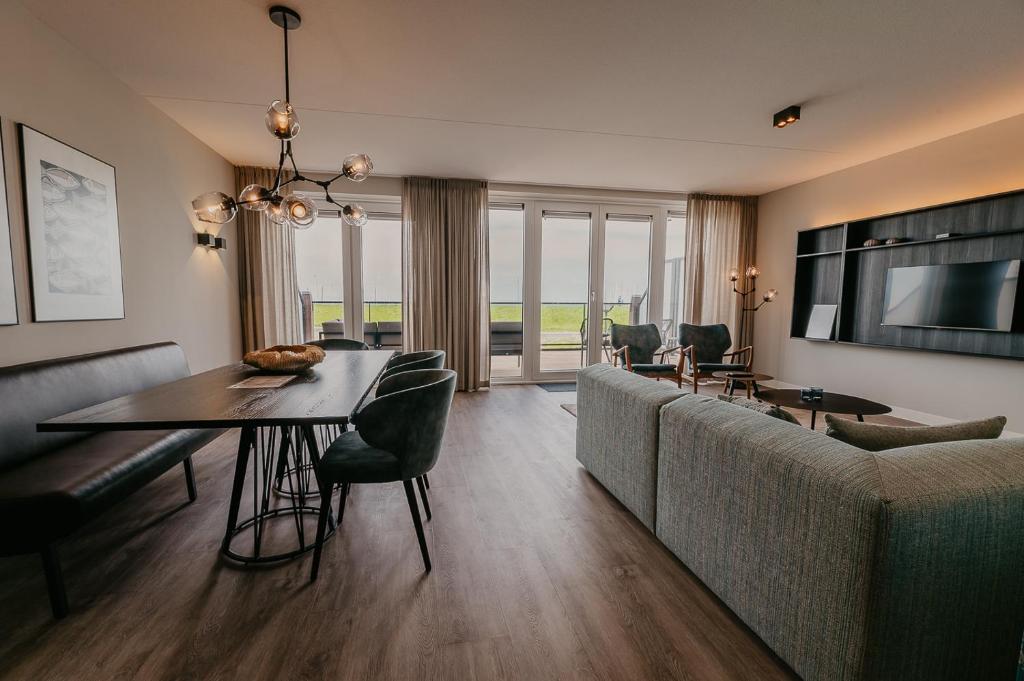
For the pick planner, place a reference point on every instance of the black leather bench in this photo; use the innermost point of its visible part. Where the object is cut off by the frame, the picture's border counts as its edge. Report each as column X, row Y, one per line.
column 53, row 483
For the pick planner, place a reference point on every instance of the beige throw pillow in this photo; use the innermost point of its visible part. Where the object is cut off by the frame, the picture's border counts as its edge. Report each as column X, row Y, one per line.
column 874, row 437
column 761, row 407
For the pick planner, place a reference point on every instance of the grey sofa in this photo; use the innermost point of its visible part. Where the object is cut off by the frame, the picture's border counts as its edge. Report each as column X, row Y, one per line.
column 903, row 564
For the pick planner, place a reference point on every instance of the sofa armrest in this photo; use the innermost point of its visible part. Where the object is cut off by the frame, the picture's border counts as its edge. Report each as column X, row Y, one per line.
column 617, row 433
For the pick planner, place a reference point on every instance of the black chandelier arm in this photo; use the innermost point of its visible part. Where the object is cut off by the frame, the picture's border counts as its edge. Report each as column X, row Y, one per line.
column 287, row 76
column 746, row 293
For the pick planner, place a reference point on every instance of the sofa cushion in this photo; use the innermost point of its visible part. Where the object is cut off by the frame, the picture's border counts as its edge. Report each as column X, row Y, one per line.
column 655, row 368
column 760, row 407
column 875, row 437
column 709, row 367
column 49, row 496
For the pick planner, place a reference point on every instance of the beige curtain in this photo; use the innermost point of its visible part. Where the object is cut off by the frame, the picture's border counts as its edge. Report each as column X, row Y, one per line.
column 268, row 286
column 446, row 302
column 721, row 234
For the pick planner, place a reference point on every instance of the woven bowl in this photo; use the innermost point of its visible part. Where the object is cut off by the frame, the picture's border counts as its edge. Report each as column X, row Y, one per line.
column 285, row 358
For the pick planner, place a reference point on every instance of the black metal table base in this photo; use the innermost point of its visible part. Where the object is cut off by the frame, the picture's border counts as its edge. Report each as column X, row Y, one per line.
column 285, row 457
column 326, row 433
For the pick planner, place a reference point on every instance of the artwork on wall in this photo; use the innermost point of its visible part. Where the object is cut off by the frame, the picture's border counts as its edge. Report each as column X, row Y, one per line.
column 73, row 235
column 822, row 322
column 8, row 302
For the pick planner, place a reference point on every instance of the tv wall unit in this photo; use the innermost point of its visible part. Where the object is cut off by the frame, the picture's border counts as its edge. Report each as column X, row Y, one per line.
column 834, row 267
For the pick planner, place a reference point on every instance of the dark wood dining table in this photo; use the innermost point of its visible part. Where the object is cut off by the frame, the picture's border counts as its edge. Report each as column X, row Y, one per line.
column 283, row 432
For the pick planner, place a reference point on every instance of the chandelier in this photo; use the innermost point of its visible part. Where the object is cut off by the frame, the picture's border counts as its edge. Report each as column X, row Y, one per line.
column 297, row 211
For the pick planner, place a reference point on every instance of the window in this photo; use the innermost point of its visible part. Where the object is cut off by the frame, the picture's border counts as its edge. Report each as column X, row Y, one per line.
column 506, row 234
column 675, row 254
column 381, row 239
column 319, row 264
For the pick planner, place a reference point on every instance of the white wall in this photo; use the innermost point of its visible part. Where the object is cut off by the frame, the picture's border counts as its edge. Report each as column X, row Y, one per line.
column 986, row 160
column 173, row 289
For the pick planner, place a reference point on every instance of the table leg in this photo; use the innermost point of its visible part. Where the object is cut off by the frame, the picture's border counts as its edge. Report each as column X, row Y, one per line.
column 260, row 452
column 750, row 388
column 245, row 442
column 813, row 415
column 860, row 417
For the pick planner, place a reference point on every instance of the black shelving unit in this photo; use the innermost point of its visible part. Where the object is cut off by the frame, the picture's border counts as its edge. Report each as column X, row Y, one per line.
column 834, row 267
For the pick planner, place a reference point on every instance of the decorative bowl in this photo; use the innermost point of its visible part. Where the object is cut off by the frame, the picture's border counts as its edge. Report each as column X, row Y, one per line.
column 873, row 242
column 289, row 359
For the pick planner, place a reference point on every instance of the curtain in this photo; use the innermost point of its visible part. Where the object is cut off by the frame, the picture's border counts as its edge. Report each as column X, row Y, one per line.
column 721, row 235
column 268, row 286
column 446, row 302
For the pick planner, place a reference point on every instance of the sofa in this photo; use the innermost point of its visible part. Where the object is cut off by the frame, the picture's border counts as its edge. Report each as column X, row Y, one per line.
column 851, row 565
column 51, row 484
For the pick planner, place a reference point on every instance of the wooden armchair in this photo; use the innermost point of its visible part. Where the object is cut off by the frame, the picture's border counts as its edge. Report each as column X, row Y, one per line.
column 637, row 345
column 705, row 349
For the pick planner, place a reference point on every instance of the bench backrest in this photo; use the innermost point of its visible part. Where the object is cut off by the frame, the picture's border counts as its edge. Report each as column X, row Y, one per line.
column 34, row 392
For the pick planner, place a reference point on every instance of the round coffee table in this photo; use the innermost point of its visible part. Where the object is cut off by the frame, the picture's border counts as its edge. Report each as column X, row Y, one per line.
column 833, row 403
column 748, row 379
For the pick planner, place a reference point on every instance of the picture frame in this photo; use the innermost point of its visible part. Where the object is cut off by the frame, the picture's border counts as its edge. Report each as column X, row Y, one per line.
column 73, row 233
column 8, row 294
column 822, row 322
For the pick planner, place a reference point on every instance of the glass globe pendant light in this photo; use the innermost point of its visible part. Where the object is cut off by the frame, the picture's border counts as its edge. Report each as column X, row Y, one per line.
column 214, row 207
column 354, row 215
column 296, row 210
column 301, row 211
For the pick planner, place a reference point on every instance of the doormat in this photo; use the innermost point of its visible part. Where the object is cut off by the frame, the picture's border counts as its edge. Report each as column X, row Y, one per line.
column 558, row 387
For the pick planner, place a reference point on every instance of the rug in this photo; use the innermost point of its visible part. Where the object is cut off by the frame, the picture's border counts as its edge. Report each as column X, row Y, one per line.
column 558, row 387
column 571, row 408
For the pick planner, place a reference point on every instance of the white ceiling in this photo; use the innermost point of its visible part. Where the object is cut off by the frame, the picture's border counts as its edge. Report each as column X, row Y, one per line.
column 643, row 94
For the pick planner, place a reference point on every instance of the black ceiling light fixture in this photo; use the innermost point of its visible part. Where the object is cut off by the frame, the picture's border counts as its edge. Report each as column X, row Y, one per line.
column 791, row 114
column 296, row 211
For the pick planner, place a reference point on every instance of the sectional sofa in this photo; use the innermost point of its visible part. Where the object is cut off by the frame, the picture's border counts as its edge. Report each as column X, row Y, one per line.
column 902, row 564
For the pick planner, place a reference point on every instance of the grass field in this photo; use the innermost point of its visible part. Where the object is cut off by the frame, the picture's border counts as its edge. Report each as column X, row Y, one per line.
column 560, row 318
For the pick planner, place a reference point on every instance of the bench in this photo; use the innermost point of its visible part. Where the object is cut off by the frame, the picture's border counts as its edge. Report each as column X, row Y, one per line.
column 51, row 484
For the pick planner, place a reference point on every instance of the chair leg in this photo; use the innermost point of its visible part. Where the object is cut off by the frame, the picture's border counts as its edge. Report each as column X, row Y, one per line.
column 426, row 480
column 414, row 509
column 423, row 496
column 55, row 582
column 341, row 502
column 190, row 478
column 321, row 531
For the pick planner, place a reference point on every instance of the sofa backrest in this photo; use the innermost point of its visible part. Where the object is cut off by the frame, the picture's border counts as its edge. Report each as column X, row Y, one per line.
column 34, row 392
column 849, row 564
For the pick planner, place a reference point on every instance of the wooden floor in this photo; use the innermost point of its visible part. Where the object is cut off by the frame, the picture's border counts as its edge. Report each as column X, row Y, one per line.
column 538, row 574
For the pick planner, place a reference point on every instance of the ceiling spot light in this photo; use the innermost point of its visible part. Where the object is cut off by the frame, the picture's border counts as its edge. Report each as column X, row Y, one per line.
column 791, row 114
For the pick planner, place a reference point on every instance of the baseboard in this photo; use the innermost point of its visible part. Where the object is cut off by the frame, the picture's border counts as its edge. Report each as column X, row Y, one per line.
column 899, row 412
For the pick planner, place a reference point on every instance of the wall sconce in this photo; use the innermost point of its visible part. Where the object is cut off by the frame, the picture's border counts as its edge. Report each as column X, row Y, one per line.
column 210, row 241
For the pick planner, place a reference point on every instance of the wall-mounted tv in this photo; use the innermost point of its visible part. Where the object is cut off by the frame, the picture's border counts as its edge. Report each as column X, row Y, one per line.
column 977, row 295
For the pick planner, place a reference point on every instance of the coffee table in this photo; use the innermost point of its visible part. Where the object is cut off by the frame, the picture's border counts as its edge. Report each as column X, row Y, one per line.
column 833, row 403
column 748, row 379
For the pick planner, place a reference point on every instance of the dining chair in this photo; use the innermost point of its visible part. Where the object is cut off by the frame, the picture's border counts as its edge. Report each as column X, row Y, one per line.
column 411, row 361
column 704, row 348
column 339, row 344
column 397, row 439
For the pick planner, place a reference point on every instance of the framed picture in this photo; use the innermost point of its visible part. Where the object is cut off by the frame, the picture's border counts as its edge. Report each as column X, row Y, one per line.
column 8, row 302
column 73, row 236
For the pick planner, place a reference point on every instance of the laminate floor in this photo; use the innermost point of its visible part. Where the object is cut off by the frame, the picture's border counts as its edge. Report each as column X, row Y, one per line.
column 538, row 574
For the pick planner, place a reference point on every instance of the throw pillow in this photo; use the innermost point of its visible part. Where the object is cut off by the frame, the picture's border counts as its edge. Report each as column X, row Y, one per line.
column 875, row 438
column 761, row 407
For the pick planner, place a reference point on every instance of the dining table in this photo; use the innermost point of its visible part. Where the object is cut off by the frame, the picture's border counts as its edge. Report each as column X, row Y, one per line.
column 286, row 422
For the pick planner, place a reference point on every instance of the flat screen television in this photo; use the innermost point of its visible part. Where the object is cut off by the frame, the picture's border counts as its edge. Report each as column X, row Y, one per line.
column 977, row 295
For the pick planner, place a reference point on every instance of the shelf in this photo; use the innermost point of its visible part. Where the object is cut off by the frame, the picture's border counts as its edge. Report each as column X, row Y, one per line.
column 919, row 242
column 816, row 255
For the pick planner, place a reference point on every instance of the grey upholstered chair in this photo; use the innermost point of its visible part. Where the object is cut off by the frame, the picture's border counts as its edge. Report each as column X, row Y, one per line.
column 705, row 349
column 637, row 346
column 397, row 438
column 339, row 344
column 411, row 361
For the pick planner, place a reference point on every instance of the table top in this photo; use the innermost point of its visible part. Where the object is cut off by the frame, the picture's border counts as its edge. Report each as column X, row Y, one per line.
column 835, row 403
column 329, row 393
column 751, row 376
